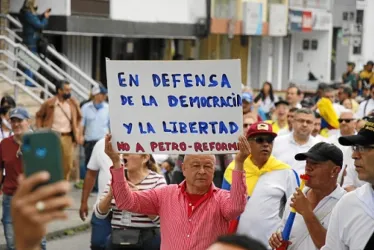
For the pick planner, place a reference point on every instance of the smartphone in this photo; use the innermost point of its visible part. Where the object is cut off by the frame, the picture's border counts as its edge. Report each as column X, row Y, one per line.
column 41, row 151
column 258, row 97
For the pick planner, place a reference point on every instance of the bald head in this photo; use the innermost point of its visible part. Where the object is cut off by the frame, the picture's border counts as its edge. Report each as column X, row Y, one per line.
column 189, row 158
column 199, row 172
column 346, row 114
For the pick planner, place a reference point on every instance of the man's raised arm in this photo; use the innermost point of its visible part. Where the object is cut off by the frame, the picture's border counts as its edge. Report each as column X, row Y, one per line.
column 233, row 204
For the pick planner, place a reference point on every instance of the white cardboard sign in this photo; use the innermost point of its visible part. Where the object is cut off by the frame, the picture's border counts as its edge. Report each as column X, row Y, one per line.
column 175, row 107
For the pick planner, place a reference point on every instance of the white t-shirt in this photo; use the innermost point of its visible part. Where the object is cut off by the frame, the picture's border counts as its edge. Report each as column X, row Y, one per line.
column 99, row 161
column 362, row 111
column 351, row 179
column 285, row 148
column 352, row 221
column 320, row 138
column 264, row 209
column 300, row 237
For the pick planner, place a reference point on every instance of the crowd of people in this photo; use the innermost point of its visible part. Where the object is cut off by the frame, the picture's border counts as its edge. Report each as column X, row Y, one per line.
column 169, row 201
column 199, row 202
column 190, row 201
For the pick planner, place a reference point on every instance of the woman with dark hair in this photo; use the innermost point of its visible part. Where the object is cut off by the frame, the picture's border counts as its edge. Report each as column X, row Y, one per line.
column 267, row 98
column 7, row 102
column 142, row 231
column 5, row 128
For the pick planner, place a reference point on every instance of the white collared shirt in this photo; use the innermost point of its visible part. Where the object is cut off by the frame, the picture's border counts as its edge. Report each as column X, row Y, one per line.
column 264, row 209
column 351, row 179
column 300, row 237
column 285, row 148
column 365, row 108
column 320, row 138
column 352, row 221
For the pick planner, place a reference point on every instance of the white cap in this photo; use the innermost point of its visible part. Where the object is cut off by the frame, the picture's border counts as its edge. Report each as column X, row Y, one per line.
column 95, row 90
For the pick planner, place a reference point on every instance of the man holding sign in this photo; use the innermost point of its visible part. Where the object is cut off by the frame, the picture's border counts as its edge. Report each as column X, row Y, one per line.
column 208, row 209
column 192, row 108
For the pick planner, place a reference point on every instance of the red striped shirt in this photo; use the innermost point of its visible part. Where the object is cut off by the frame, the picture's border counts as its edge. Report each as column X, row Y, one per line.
column 179, row 231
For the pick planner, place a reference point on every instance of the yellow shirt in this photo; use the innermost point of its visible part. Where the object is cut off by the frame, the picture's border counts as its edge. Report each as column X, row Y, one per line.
column 367, row 75
column 275, row 126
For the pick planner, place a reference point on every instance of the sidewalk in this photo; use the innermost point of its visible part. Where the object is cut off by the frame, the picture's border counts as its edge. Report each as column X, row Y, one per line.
column 74, row 220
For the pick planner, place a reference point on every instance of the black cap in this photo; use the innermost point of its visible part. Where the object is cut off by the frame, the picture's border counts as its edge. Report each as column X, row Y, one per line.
column 281, row 101
column 370, row 63
column 351, row 64
column 322, row 152
column 364, row 137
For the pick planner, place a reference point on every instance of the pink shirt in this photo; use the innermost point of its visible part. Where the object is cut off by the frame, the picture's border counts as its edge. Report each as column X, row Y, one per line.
column 179, row 230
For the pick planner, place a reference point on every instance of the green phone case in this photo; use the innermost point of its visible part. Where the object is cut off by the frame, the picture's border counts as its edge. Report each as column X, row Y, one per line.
column 41, row 151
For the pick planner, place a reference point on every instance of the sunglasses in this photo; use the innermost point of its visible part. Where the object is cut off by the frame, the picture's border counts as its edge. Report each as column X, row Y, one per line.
column 345, row 120
column 262, row 139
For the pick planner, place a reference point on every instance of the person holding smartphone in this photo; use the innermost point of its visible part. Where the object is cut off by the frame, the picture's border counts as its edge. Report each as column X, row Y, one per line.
column 32, row 29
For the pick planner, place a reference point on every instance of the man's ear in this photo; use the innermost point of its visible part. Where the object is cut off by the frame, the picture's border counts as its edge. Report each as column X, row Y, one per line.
column 336, row 170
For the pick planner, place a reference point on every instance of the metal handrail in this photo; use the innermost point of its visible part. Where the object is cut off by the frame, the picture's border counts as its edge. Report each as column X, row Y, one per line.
column 76, row 84
column 63, row 59
column 21, row 86
column 44, row 65
column 36, row 73
column 56, row 54
column 48, row 68
column 49, row 94
column 13, row 20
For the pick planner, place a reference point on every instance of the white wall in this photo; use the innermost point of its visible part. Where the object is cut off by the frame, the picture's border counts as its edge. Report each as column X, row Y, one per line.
column 164, row 11
column 317, row 61
column 368, row 33
column 59, row 7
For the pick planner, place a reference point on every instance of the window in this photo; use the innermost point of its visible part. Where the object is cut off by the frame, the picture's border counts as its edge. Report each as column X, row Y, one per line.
column 357, row 38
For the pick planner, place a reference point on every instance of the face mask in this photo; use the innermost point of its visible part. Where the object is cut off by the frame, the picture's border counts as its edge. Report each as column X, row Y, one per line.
column 98, row 105
column 163, row 170
column 66, row 96
column 6, row 123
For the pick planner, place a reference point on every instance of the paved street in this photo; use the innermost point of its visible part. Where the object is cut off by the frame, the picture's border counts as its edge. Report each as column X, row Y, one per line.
column 74, row 220
column 77, row 242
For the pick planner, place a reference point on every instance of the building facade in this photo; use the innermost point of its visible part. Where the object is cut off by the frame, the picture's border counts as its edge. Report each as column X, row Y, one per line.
column 89, row 31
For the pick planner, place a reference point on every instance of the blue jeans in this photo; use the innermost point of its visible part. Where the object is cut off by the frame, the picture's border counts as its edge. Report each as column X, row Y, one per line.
column 29, row 72
column 8, row 225
column 100, row 231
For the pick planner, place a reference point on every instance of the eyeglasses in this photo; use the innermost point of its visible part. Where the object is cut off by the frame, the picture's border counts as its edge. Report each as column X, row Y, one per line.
column 345, row 120
column 262, row 139
column 360, row 148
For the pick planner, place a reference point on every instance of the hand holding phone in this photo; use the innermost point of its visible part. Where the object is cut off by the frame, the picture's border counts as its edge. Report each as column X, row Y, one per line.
column 47, row 13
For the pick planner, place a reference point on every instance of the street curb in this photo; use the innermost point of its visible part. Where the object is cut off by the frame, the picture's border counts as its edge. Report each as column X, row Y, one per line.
column 70, row 231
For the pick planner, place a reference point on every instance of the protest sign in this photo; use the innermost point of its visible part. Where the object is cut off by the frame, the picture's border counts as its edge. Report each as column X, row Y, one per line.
column 175, row 107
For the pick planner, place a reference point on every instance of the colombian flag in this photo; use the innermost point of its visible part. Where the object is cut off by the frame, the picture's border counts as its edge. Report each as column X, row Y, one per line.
column 328, row 114
column 252, row 174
